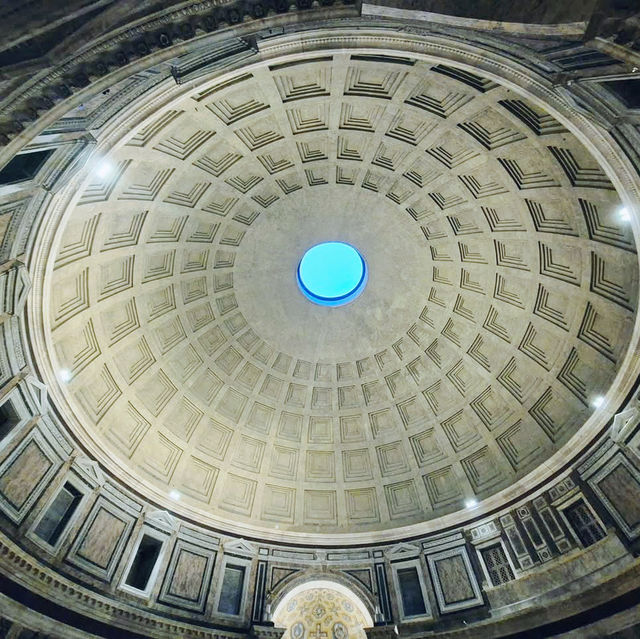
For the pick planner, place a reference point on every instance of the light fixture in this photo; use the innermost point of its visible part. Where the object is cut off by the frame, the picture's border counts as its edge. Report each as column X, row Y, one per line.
column 103, row 169
column 65, row 375
column 624, row 214
column 470, row 503
column 332, row 274
column 174, row 494
column 597, row 401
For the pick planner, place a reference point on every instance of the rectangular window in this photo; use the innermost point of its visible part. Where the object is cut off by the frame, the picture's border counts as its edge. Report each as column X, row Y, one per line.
column 584, row 524
column 231, row 592
column 23, row 166
column 497, row 564
column 9, row 419
column 411, row 592
column 144, row 562
column 58, row 515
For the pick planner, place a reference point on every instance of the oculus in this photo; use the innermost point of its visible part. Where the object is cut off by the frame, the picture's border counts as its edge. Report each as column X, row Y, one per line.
column 332, row 274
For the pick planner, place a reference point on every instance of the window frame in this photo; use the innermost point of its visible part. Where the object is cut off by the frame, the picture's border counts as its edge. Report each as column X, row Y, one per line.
column 153, row 576
column 14, row 397
column 420, row 569
column 569, row 502
column 48, row 149
column 84, row 490
column 494, row 541
column 231, row 560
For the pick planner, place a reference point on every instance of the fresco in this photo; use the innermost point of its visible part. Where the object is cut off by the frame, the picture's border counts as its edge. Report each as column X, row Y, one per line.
column 321, row 613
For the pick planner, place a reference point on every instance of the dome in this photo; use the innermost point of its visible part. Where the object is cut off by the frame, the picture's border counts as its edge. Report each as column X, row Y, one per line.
column 499, row 306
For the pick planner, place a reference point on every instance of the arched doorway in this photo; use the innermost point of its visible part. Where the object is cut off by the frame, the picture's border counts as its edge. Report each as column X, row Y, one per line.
column 322, row 609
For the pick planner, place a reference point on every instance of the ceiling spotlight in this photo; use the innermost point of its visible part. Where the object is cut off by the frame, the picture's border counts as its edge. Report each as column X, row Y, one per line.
column 624, row 214
column 470, row 503
column 65, row 375
column 174, row 494
column 597, row 401
column 104, row 169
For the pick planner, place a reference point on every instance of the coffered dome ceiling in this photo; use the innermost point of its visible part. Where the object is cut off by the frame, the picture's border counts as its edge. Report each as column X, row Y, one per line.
column 501, row 296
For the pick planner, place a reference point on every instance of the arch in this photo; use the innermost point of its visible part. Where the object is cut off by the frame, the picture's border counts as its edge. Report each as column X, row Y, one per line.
column 328, row 582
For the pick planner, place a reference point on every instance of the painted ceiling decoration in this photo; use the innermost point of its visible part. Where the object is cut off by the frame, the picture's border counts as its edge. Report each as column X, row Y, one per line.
column 321, row 613
column 501, row 298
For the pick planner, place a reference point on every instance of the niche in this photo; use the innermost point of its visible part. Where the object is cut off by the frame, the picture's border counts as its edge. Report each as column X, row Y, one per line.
column 144, row 562
column 59, row 514
column 23, row 167
column 411, row 592
column 9, row 419
column 231, row 592
column 627, row 90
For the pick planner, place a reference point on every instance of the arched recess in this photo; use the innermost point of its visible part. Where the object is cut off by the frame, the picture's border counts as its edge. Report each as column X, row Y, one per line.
column 295, row 587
